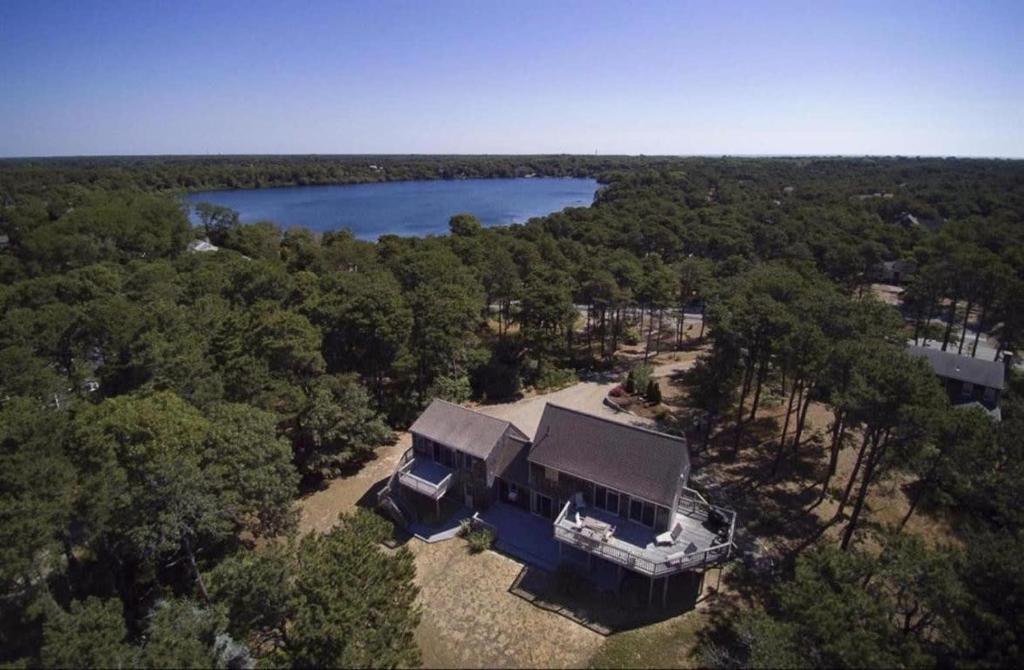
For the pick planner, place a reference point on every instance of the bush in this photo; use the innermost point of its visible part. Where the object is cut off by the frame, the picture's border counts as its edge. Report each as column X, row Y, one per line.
column 653, row 391
column 479, row 539
column 555, row 378
column 452, row 389
column 638, row 379
column 631, row 336
column 617, row 392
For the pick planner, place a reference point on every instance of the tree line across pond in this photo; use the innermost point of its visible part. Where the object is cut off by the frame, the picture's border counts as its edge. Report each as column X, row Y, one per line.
column 161, row 409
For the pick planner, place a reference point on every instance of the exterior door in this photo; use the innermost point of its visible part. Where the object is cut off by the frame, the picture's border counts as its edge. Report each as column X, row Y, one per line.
column 544, row 506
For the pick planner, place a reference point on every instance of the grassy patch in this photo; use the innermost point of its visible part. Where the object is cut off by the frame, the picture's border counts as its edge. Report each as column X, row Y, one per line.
column 663, row 645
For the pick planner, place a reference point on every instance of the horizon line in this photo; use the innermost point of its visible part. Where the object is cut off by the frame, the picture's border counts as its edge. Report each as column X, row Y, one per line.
column 526, row 154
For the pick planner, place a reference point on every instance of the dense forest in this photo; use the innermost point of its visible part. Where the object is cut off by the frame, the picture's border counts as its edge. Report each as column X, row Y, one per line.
column 161, row 409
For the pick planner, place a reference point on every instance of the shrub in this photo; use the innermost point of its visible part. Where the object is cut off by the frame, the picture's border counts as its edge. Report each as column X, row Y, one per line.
column 638, row 379
column 653, row 391
column 479, row 539
column 555, row 378
column 631, row 336
column 617, row 392
column 452, row 389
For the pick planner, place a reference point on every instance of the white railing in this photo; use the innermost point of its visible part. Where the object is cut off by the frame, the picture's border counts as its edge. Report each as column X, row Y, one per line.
column 640, row 559
column 420, row 485
column 404, row 463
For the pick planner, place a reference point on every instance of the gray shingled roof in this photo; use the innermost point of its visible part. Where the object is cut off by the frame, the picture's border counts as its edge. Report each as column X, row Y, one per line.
column 633, row 460
column 461, row 428
column 962, row 368
column 510, row 461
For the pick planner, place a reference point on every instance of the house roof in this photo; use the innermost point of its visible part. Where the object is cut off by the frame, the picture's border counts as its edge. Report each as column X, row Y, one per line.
column 962, row 368
column 463, row 429
column 900, row 266
column 510, row 461
column 633, row 460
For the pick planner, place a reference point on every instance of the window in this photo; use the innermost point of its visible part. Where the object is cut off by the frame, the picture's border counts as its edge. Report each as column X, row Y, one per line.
column 967, row 390
column 551, row 475
column 990, row 394
column 606, row 499
column 642, row 512
column 543, row 506
column 636, row 509
column 613, row 502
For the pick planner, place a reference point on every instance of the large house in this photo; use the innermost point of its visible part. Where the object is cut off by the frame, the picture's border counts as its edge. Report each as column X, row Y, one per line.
column 967, row 381
column 613, row 491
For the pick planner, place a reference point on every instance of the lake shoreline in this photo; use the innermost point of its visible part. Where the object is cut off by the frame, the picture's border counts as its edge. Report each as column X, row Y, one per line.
column 415, row 207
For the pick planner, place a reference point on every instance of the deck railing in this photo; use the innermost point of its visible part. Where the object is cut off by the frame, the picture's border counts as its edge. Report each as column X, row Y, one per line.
column 410, row 480
column 639, row 559
column 403, row 464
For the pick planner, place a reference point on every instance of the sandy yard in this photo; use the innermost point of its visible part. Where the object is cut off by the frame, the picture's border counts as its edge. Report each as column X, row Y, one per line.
column 319, row 511
column 471, row 620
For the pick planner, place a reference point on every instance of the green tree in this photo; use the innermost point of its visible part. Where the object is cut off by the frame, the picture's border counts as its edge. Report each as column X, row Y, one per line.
column 91, row 634
column 220, row 223
column 255, row 588
column 143, row 491
column 36, row 492
column 354, row 604
column 249, row 467
column 336, row 425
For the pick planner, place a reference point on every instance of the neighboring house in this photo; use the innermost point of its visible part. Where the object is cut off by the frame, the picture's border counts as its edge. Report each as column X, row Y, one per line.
column 895, row 272
column 610, row 490
column 968, row 381
column 908, row 220
column 202, row 245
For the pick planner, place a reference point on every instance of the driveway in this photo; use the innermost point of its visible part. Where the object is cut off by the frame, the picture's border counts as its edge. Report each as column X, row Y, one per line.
column 586, row 396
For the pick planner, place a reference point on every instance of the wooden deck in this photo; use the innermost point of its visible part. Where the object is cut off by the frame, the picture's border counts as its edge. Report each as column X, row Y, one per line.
column 425, row 476
column 701, row 543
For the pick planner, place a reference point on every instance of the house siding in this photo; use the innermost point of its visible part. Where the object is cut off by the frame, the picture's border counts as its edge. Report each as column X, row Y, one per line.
column 469, row 479
column 568, row 486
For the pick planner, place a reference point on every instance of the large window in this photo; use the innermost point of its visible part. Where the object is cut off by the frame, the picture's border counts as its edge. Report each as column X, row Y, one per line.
column 642, row 511
column 606, row 499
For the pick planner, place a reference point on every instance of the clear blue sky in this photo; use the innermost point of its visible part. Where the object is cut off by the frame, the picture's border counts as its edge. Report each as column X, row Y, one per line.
column 490, row 76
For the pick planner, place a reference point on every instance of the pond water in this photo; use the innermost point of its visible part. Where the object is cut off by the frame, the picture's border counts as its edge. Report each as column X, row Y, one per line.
column 403, row 207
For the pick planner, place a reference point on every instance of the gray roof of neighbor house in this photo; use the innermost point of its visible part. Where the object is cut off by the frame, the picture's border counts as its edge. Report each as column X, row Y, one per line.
column 900, row 266
column 463, row 429
column 962, row 368
column 633, row 460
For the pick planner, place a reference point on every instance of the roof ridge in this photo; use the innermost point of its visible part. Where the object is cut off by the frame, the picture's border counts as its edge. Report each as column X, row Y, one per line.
column 617, row 423
column 504, row 422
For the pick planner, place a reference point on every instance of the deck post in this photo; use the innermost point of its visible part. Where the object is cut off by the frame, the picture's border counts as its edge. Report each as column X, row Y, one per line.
column 650, row 591
column 664, row 591
column 618, row 580
column 437, row 508
column 559, row 552
column 590, row 562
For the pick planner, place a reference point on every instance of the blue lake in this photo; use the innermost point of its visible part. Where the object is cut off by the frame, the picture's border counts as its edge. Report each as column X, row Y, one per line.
column 403, row 207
